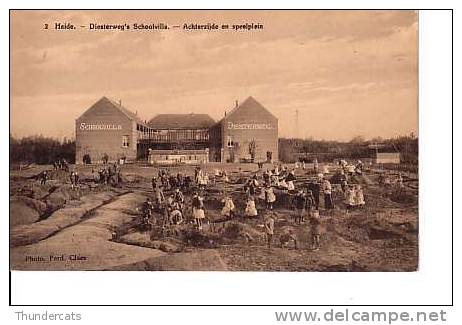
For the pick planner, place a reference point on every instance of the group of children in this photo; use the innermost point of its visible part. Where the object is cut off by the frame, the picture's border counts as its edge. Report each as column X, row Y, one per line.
column 304, row 202
column 73, row 175
column 61, row 164
column 170, row 209
column 288, row 235
column 354, row 197
column 108, row 174
column 170, row 181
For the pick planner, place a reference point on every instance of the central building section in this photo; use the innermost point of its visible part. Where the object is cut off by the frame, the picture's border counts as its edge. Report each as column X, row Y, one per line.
column 178, row 138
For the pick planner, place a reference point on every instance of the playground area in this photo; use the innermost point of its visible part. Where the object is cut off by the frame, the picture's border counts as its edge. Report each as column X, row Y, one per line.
column 94, row 225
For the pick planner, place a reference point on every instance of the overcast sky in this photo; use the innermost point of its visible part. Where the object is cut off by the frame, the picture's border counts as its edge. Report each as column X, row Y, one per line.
column 347, row 73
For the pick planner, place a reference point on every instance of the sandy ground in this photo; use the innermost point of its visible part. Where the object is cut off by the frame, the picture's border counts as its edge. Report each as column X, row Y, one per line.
column 55, row 227
column 86, row 245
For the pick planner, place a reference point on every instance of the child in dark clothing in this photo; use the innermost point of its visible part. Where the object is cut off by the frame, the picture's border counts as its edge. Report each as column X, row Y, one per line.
column 315, row 230
column 300, row 206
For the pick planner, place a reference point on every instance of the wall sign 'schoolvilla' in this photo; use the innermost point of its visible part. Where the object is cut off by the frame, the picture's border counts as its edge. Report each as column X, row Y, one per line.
column 99, row 127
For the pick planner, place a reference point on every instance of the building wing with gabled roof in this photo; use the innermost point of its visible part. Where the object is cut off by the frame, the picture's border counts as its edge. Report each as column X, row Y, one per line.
column 249, row 132
column 107, row 129
column 250, row 106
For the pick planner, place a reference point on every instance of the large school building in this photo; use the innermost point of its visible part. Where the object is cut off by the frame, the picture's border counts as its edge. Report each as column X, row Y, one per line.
column 108, row 130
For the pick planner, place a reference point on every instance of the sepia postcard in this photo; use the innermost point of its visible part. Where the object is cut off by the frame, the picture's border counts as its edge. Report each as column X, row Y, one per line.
column 208, row 140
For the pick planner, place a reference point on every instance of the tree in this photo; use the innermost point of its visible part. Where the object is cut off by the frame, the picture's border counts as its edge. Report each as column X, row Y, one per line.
column 358, row 139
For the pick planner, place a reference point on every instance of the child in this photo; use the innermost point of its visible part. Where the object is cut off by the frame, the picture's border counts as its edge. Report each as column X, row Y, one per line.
column 350, row 198
column 287, row 237
column 178, row 197
column 147, row 209
column 250, row 209
column 198, row 210
column 310, row 203
column 399, row 181
column 290, row 186
column 228, row 207
column 159, row 195
column 266, row 177
column 283, row 184
column 176, row 217
column 269, row 229
column 270, row 198
column 359, row 196
column 300, row 206
column 315, row 230
column 225, row 177
column 44, row 177
column 73, row 177
column 327, row 189
column 343, row 181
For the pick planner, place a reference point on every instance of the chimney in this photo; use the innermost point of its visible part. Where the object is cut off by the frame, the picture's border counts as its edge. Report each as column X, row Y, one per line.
column 237, row 103
column 225, row 113
column 120, row 102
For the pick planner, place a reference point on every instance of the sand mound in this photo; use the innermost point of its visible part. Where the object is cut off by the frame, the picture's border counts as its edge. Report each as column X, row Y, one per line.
column 208, row 260
column 235, row 230
column 403, row 196
column 143, row 240
column 22, row 214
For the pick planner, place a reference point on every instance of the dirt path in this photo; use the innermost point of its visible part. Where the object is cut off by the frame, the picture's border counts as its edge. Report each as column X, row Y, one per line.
column 86, row 245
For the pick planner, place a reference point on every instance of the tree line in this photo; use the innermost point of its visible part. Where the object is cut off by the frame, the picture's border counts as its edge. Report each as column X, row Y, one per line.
column 41, row 150
column 291, row 150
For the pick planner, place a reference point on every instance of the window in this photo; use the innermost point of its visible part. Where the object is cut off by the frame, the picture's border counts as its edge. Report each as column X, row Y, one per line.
column 230, row 141
column 125, row 141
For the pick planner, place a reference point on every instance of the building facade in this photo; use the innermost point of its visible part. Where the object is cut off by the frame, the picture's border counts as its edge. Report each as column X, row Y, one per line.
column 107, row 129
column 248, row 133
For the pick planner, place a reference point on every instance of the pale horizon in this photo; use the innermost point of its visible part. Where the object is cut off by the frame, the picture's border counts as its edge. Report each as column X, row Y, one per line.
column 347, row 73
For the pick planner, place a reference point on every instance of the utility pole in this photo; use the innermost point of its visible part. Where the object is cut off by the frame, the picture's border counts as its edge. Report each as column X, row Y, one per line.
column 297, row 134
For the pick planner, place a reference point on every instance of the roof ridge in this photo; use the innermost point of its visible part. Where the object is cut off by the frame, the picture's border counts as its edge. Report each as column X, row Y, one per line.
column 124, row 110
column 181, row 121
column 248, row 99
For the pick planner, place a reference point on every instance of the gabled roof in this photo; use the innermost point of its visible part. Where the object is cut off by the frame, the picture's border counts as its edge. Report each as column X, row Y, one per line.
column 132, row 116
column 106, row 101
column 249, row 104
column 181, row 121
